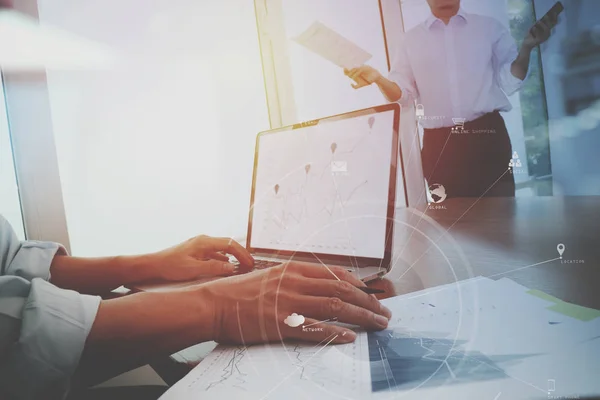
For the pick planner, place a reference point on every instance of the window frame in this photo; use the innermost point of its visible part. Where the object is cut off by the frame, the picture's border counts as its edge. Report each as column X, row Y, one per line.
column 274, row 54
column 34, row 150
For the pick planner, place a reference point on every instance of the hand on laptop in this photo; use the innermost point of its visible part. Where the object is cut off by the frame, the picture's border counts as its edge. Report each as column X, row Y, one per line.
column 200, row 256
column 259, row 307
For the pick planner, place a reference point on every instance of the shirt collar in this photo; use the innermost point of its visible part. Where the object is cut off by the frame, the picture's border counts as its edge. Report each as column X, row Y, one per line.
column 432, row 18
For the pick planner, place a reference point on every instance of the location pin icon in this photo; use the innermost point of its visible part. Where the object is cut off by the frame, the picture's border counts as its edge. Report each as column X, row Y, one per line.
column 560, row 248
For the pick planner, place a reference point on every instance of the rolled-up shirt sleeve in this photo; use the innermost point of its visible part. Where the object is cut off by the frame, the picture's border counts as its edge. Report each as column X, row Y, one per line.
column 504, row 54
column 43, row 329
column 401, row 73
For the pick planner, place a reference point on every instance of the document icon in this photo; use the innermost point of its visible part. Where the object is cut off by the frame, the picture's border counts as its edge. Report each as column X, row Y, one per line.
column 339, row 166
column 551, row 385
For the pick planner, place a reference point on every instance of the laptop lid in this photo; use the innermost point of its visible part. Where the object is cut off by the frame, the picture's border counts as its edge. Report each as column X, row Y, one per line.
column 325, row 190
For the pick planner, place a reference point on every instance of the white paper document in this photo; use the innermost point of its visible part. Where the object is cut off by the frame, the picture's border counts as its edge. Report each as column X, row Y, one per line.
column 332, row 46
column 291, row 371
column 475, row 339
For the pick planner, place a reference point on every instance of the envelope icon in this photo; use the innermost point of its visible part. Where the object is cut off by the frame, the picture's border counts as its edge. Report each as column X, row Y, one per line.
column 339, row 166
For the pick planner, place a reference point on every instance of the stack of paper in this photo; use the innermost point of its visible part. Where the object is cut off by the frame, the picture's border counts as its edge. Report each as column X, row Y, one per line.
column 475, row 339
column 483, row 338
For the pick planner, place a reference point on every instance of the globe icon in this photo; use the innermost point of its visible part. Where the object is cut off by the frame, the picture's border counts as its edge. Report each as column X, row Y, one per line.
column 437, row 193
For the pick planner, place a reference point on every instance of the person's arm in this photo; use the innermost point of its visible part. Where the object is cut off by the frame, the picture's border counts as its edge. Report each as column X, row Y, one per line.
column 390, row 90
column 194, row 258
column 520, row 67
column 538, row 34
column 200, row 256
column 511, row 67
column 245, row 309
column 100, row 275
column 42, row 328
column 367, row 75
column 398, row 86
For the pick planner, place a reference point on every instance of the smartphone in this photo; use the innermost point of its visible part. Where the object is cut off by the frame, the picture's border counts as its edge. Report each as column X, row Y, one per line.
column 553, row 13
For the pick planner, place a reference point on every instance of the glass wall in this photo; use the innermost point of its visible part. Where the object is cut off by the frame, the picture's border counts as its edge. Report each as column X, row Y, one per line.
column 320, row 87
column 571, row 76
column 10, row 205
column 534, row 113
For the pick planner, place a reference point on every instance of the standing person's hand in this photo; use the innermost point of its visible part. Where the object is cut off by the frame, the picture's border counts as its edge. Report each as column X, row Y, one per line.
column 540, row 32
column 200, row 256
column 363, row 76
column 259, row 307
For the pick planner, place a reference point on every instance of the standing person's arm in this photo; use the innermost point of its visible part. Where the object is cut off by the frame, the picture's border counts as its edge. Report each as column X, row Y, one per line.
column 538, row 34
column 512, row 67
column 367, row 75
column 400, row 84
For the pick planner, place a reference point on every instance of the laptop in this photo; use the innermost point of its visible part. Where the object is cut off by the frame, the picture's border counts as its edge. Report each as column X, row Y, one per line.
column 324, row 192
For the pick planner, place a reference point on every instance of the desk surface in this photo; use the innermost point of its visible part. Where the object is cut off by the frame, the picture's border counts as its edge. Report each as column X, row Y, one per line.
column 505, row 237
column 492, row 237
column 496, row 237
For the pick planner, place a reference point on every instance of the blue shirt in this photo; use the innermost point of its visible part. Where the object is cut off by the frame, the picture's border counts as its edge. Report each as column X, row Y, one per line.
column 43, row 329
column 460, row 70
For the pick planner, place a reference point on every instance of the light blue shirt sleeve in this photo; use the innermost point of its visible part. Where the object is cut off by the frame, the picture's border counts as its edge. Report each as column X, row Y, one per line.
column 401, row 73
column 504, row 54
column 43, row 329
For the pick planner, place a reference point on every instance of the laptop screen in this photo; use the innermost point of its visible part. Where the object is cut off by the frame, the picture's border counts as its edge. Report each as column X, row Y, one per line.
column 325, row 186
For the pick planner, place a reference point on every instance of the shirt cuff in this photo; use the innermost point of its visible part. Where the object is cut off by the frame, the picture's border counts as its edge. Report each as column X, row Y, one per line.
column 54, row 328
column 406, row 98
column 35, row 258
column 510, row 83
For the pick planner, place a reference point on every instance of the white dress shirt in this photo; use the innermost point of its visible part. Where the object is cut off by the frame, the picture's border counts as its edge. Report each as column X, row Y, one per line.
column 459, row 70
column 43, row 329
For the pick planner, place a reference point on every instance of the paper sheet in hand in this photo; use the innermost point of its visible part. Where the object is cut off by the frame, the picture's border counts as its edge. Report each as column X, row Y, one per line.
column 332, row 46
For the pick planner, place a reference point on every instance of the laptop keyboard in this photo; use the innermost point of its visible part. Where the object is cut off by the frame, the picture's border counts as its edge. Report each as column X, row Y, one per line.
column 262, row 264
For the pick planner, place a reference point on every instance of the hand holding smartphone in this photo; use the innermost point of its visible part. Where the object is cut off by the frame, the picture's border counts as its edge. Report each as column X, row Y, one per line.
column 552, row 15
column 541, row 30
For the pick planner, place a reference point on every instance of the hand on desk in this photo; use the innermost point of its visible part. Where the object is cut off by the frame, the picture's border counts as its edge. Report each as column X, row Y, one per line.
column 252, row 308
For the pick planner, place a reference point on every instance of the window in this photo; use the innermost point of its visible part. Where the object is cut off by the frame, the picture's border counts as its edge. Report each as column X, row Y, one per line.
column 571, row 76
column 146, row 150
column 533, row 104
column 10, row 205
column 319, row 87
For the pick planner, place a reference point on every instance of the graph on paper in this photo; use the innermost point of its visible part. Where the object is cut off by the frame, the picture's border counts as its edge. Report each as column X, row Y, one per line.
column 324, row 188
column 294, row 371
column 403, row 362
